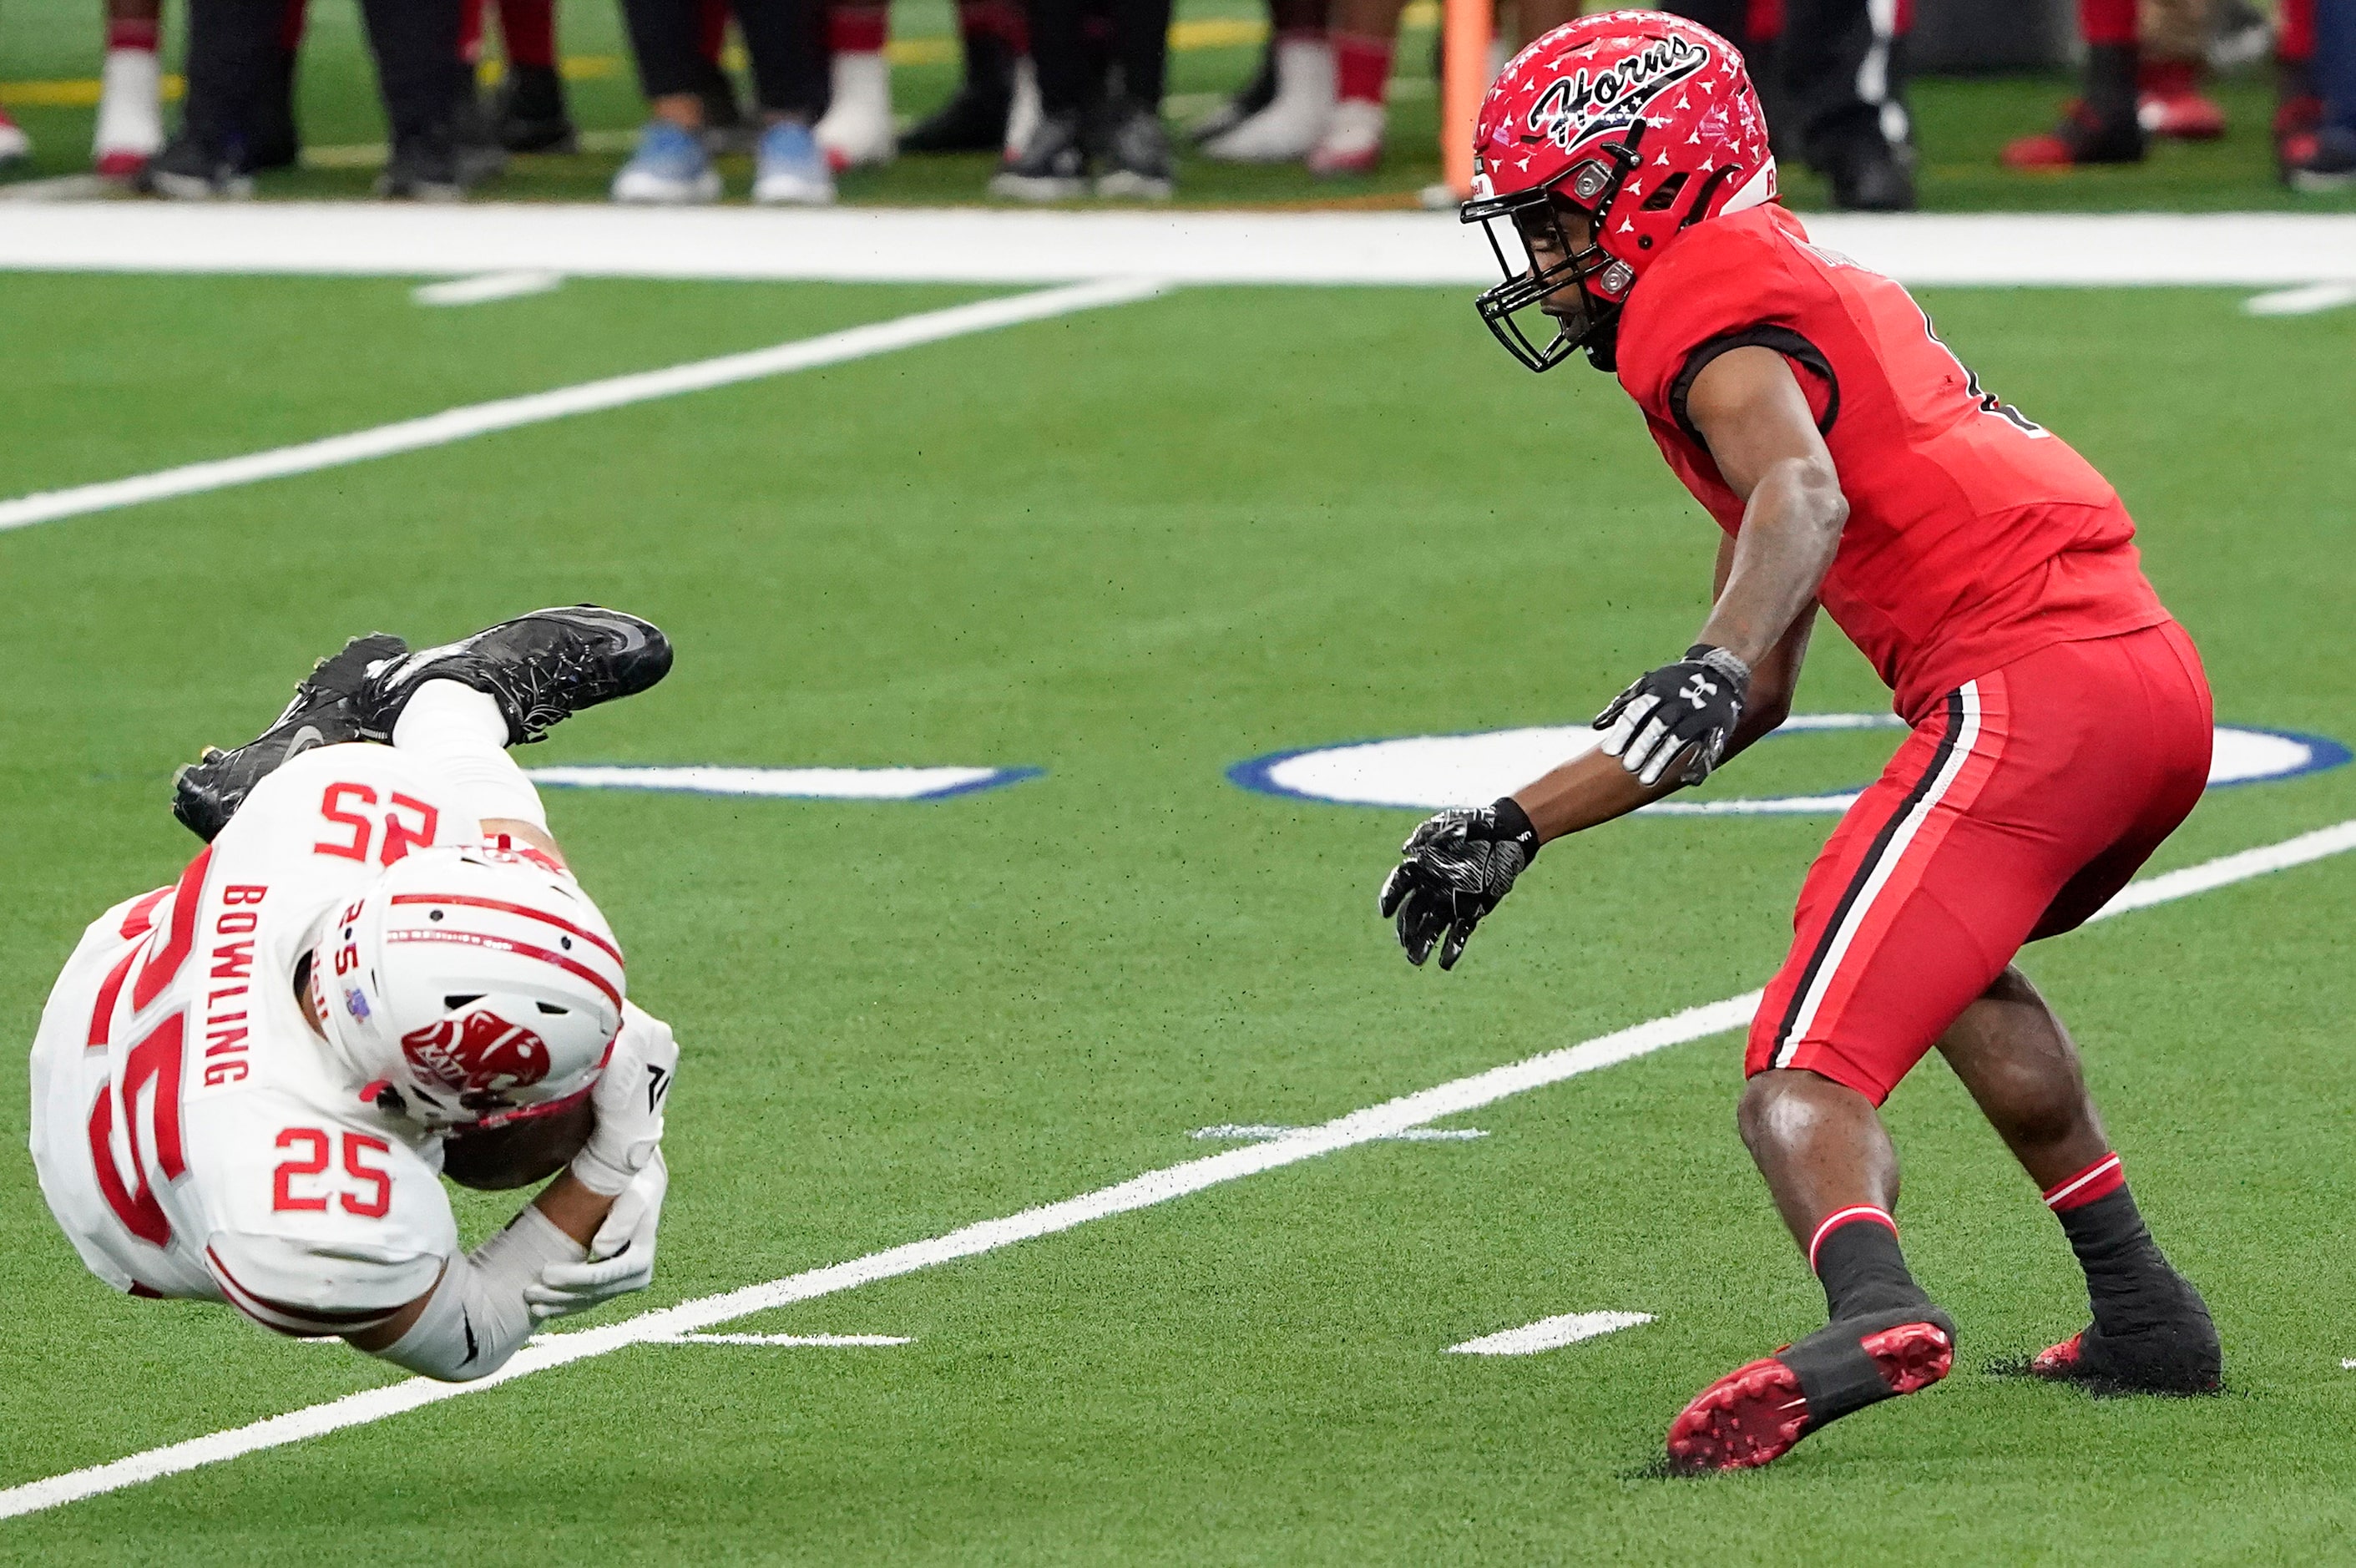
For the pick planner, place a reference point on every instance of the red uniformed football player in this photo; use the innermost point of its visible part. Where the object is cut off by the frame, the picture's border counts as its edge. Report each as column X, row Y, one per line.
column 2061, row 722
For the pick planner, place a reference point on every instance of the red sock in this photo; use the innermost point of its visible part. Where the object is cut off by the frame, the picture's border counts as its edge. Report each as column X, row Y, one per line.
column 290, row 25
column 856, row 30
column 470, row 31
column 529, row 30
column 2097, row 1181
column 2107, row 21
column 2294, row 31
column 1362, row 67
column 132, row 35
column 711, row 30
column 1000, row 19
column 1762, row 19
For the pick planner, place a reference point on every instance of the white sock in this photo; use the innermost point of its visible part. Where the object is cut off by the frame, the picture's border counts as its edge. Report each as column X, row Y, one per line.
column 461, row 734
column 130, row 112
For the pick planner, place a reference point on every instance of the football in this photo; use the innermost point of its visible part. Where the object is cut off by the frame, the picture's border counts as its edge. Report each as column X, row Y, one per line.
column 519, row 1150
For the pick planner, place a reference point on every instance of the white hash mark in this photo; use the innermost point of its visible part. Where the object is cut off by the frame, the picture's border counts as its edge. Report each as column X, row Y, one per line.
column 1550, row 1332
column 1261, row 1131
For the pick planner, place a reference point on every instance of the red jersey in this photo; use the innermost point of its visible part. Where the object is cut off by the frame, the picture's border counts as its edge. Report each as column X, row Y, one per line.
column 1975, row 537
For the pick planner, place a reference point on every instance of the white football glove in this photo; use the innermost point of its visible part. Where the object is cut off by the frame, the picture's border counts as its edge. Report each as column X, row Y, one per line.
column 621, row 1256
column 629, row 1098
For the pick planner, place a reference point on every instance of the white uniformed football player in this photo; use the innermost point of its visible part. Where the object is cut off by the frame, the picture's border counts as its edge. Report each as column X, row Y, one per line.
column 242, row 1083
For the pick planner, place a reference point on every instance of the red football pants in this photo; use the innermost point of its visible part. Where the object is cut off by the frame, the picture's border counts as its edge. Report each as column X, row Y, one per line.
column 2021, row 802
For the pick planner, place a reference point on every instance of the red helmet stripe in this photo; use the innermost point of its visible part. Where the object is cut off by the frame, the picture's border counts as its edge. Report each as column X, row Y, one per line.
column 484, row 939
column 525, row 910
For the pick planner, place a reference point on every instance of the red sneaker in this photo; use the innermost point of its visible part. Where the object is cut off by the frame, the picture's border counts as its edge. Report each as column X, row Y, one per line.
column 2169, row 102
column 2297, row 122
column 15, row 147
column 1755, row 1413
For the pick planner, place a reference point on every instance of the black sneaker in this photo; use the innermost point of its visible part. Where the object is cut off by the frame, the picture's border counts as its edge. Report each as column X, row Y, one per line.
column 542, row 668
column 529, row 115
column 2329, row 165
column 1257, row 95
column 1135, row 149
column 1054, row 166
column 324, row 712
column 188, row 171
column 1869, row 174
column 423, row 170
column 475, row 141
column 973, row 122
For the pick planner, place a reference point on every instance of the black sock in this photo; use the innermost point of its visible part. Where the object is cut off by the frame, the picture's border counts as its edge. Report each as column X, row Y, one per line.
column 2111, row 75
column 2129, row 1279
column 1862, row 1270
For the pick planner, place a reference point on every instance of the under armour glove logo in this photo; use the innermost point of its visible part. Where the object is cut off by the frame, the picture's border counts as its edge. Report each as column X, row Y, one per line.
column 1687, row 709
column 1452, row 871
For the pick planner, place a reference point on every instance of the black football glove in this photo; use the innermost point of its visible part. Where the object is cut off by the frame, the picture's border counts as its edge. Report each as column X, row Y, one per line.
column 1689, row 708
column 1453, row 870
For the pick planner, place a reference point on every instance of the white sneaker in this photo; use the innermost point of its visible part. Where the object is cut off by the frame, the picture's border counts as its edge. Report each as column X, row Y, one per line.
column 1022, row 114
column 670, row 168
column 15, row 145
column 789, row 168
column 1354, row 140
column 855, row 131
column 130, row 114
column 1295, row 120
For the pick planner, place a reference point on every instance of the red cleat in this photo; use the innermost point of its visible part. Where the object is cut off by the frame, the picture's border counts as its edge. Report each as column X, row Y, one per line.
column 2079, row 139
column 1754, row 1414
column 2170, row 103
column 2060, row 1362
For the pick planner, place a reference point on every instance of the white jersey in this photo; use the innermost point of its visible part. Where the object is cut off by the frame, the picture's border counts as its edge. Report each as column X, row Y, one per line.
column 194, row 1136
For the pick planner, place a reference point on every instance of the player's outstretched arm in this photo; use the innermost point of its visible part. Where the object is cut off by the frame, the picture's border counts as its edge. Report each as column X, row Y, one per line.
column 1672, row 726
column 587, row 1236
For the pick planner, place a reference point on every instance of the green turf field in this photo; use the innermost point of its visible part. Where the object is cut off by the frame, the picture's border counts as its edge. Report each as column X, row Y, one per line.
column 50, row 51
column 1132, row 548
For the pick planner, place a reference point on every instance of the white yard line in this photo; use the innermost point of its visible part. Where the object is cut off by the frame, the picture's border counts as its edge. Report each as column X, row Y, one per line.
column 485, row 287
column 1368, row 1125
column 1550, row 1332
column 2301, row 301
column 589, row 397
column 2228, row 869
column 1246, row 1132
column 829, row 1341
column 2255, row 250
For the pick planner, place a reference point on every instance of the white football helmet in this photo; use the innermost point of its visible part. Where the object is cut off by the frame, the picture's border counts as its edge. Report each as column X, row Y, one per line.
column 470, row 982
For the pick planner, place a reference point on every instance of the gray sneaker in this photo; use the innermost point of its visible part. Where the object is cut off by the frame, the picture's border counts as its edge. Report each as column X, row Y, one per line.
column 1134, row 151
column 1052, row 166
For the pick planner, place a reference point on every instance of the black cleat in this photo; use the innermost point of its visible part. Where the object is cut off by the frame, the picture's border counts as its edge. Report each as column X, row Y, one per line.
column 974, row 121
column 2168, row 1346
column 529, row 115
column 324, row 712
column 541, row 669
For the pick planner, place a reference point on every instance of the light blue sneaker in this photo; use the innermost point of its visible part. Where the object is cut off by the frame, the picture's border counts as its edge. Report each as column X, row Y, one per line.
column 788, row 168
column 670, row 168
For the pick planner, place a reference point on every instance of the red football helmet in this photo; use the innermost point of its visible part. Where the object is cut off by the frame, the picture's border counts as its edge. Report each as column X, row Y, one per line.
column 1644, row 123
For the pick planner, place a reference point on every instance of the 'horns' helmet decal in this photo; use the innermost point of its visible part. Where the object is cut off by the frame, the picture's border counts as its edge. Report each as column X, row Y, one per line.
column 1647, row 124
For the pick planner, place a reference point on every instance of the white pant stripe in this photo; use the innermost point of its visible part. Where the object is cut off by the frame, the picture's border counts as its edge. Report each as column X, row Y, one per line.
column 1878, row 877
